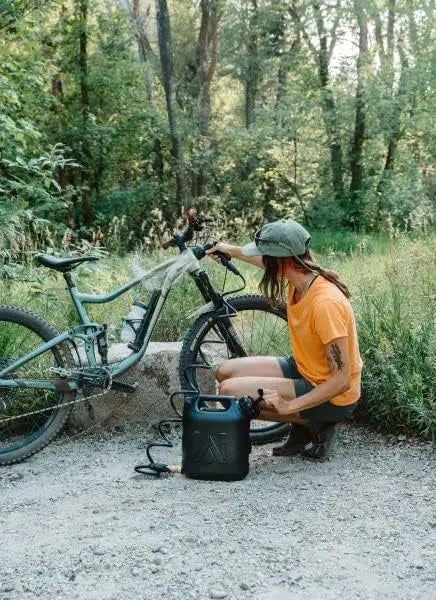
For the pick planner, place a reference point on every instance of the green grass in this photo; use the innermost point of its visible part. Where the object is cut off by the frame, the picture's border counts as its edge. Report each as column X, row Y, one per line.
column 346, row 242
column 393, row 287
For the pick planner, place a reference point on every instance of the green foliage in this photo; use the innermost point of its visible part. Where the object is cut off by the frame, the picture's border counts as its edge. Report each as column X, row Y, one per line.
column 398, row 342
column 116, row 151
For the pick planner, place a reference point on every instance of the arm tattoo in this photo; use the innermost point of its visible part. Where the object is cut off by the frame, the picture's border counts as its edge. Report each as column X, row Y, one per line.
column 336, row 356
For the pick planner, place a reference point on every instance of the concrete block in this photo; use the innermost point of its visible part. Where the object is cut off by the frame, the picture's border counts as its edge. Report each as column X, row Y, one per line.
column 157, row 375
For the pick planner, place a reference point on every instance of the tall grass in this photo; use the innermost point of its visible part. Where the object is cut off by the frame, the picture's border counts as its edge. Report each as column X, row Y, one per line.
column 394, row 298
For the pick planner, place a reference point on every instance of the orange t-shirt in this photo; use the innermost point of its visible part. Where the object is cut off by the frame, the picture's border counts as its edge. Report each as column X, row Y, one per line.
column 322, row 315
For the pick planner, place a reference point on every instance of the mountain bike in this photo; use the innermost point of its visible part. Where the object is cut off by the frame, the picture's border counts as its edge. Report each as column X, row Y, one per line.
column 43, row 373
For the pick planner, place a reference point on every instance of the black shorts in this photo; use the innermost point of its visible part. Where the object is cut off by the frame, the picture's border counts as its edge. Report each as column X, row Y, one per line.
column 326, row 412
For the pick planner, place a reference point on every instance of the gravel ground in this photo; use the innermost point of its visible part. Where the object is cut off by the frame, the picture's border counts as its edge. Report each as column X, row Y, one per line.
column 77, row 522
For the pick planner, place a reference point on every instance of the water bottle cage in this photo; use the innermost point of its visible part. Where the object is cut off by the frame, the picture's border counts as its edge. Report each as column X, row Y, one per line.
column 133, row 324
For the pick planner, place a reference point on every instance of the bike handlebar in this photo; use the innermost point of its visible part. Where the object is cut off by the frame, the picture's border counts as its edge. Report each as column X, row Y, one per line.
column 225, row 258
column 179, row 241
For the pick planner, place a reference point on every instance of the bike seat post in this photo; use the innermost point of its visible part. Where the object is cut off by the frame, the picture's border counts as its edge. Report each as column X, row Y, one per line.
column 69, row 280
column 71, row 285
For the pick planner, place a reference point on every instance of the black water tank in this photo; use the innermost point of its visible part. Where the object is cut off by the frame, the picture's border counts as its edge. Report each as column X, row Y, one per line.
column 216, row 441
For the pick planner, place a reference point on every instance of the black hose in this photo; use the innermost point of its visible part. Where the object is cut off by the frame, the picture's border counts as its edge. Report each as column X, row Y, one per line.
column 154, row 468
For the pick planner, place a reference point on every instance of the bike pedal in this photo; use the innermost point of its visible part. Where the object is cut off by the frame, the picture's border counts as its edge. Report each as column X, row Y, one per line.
column 126, row 388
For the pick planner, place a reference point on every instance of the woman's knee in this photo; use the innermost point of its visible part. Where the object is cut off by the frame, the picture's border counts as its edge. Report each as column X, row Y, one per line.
column 230, row 386
column 224, row 371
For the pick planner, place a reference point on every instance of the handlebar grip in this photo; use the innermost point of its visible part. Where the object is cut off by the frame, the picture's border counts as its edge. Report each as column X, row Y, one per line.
column 231, row 267
column 223, row 256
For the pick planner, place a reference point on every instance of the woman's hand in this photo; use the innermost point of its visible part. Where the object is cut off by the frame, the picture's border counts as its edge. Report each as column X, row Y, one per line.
column 235, row 252
column 274, row 402
column 223, row 247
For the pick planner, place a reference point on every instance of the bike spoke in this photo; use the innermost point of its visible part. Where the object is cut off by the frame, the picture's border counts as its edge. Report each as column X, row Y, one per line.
column 16, row 341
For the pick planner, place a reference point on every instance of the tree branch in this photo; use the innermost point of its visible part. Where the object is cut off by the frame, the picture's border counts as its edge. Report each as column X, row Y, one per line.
column 379, row 35
column 333, row 31
column 146, row 50
column 296, row 17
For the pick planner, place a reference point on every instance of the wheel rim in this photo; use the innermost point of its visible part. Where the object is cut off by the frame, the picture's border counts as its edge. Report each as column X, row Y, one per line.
column 16, row 340
column 262, row 333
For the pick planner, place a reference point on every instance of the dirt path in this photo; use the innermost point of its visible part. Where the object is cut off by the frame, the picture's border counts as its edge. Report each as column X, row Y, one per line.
column 77, row 522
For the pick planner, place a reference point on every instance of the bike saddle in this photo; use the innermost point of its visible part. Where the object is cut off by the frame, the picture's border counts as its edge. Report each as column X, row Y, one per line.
column 62, row 264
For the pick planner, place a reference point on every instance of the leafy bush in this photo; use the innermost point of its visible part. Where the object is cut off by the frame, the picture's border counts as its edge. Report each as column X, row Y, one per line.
column 398, row 342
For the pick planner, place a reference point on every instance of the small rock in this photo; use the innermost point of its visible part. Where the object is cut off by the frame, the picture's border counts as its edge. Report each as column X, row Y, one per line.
column 417, row 565
column 156, row 549
column 402, row 438
column 154, row 570
column 8, row 588
column 135, row 572
column 99, row 552
column 244, row 586
column 163, row 550
column 157, row 560
column 217, row 594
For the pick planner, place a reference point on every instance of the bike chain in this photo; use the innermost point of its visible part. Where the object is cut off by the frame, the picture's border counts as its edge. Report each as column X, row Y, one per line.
column 67, row 373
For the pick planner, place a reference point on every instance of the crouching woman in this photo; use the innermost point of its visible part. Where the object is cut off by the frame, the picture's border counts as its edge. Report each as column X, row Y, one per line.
column 317, row 388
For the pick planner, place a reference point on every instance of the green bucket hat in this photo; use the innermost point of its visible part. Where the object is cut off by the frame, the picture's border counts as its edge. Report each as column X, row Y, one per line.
column 280, row 238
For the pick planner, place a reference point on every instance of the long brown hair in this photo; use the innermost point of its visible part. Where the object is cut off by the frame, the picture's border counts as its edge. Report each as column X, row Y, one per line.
column 273, row 285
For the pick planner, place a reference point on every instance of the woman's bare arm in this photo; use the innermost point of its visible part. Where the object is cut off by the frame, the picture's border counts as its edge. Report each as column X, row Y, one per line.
column 235, row 252
column 339, row 382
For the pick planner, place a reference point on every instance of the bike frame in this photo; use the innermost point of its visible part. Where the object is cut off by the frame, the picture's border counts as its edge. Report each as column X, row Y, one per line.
column 87, row 332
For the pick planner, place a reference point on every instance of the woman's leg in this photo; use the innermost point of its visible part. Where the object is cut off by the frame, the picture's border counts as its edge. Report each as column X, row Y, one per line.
column 265, row 366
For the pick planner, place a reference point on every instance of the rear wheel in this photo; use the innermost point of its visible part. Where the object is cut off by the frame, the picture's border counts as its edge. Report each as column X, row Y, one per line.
column 21, row 436
column 261, row 331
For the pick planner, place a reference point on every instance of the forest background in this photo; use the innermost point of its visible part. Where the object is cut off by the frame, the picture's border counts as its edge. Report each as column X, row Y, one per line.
column 115, row 115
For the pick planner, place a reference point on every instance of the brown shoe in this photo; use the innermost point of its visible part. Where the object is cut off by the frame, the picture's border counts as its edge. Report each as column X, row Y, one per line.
column 298, row 437
column 322, row 443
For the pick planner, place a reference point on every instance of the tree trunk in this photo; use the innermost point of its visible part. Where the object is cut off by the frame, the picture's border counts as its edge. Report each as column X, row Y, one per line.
column 142, row 51
column 205, row 70
column 84, row 102
column 285, row 65
column 329, row 108
column 166, row 57
column 399, row 102
column 356, row 164
column 253, row 68
column 146, row 57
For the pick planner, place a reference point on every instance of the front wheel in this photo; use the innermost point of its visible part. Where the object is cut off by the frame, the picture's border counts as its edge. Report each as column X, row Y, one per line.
column 259, row 329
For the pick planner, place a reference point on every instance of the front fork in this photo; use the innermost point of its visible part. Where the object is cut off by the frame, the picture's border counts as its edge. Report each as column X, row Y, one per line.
column 224, row 325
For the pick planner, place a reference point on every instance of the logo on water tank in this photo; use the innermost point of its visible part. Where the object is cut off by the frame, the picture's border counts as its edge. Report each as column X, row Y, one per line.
column 209, row 449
